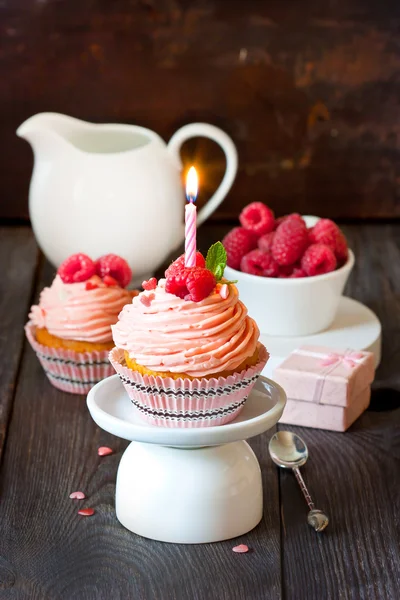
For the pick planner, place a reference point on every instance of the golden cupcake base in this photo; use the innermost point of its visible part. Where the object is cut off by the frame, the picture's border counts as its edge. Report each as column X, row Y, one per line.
column 248, row 362
column 44, row 337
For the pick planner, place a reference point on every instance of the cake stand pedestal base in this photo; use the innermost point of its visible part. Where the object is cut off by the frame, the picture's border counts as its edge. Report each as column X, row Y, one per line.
column 187, row 485
column 189, row 496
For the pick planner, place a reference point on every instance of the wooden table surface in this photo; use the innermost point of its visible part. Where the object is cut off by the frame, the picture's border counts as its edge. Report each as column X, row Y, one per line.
column 48, row 448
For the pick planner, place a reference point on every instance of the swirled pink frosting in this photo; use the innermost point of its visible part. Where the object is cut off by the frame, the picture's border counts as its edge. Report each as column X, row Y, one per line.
column 70, row 311
column 165, row 333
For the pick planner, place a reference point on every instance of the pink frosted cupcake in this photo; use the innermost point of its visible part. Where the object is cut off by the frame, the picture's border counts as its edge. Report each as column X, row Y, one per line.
column 186, row 350
column 70, row 328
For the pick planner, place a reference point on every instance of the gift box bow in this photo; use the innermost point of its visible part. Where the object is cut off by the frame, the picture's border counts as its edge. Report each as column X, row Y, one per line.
column 328, row 363
column 348, row 360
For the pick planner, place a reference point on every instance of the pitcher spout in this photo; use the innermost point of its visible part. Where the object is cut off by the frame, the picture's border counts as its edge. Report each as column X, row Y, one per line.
column 47, row 131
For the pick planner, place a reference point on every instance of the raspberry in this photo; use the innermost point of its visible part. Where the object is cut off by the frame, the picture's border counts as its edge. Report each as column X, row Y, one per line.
column 76, row 268
column 258, row 218
column 265, row 241
column 328, row 233
column 109, row 281
column 179, row 264
column 237, row 243
column 176, row 283
column 325, row 232
column 259, row 263
column 297, row 272
column 191, row 283
column 285, row 271
column 151, row 284
column 291, row 271
column 318, row 259
column 290, row 241
column 200, row 283
column 291, row 217
column 114, row 266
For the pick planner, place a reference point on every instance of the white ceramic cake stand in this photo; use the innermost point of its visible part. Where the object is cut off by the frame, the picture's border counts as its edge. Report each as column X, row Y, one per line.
column 187, row 486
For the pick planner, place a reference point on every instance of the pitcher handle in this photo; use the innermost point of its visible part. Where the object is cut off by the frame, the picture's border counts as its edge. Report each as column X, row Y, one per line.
column 227, row 145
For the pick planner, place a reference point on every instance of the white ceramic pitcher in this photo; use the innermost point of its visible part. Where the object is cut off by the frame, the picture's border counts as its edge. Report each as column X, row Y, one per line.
column 112, row 188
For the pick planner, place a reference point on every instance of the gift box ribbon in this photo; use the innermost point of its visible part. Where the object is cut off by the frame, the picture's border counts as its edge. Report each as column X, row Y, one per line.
column 329, row 363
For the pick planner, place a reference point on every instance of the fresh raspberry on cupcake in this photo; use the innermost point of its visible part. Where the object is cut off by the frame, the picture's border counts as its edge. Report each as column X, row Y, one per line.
column 77, row 268
column 191, row 283
column 179, row 264
column 111, row 265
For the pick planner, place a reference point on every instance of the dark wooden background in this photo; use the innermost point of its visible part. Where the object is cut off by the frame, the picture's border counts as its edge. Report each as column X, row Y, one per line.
column 309, row 90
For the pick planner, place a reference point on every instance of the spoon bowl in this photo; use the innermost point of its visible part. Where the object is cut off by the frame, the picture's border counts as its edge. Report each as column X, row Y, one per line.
column 288, row 450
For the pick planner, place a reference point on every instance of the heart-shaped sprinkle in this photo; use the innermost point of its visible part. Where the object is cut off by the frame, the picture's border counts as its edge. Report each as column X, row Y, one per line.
column 77, row 496
column 151, row 284
column 146, row 299
column 241, row 548
column 104, row 451
column 90, row 285
column 86, row 512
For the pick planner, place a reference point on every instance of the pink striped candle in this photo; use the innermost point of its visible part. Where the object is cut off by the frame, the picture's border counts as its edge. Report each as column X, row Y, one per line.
column 190, row 218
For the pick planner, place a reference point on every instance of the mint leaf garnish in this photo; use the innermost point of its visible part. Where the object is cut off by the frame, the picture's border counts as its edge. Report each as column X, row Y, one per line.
column 216, row 260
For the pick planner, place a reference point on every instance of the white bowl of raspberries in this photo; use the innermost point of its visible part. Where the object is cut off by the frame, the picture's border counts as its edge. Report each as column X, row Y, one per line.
column 291, row 271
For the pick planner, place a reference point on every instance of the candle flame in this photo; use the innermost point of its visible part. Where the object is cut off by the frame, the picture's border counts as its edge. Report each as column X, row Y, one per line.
column 191, row 184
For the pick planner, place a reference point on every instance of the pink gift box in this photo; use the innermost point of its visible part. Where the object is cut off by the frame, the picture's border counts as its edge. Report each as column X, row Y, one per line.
column 325, row 416
column 326, row 388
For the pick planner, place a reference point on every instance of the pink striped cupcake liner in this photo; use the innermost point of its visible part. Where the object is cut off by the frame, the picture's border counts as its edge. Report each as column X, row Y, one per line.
column 187, row 403
column 74, row 372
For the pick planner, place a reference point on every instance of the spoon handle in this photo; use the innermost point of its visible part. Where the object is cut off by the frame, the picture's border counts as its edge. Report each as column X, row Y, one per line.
column 303, row 488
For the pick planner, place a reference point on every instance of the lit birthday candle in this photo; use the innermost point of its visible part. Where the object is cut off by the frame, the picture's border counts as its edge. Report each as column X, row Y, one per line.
column 190, row 218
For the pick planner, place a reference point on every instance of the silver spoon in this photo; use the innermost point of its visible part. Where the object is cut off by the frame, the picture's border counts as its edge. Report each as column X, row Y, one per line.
column 289, row 451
